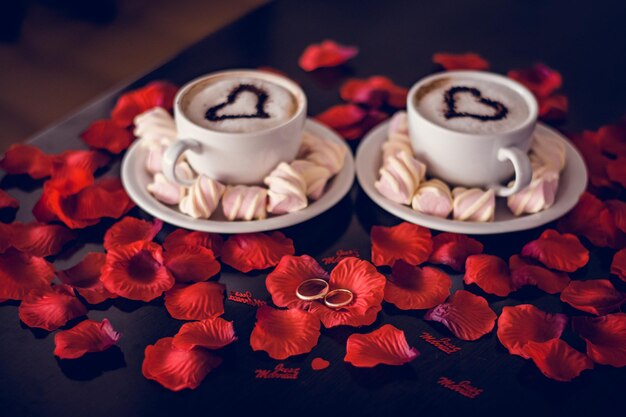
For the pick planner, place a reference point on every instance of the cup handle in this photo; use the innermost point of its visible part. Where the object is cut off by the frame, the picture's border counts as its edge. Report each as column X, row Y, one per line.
column 523, row 170
column 171, row 155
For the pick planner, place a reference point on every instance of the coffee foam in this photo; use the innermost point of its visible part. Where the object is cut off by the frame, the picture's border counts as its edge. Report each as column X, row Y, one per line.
column 505, row 103
column 259, row 105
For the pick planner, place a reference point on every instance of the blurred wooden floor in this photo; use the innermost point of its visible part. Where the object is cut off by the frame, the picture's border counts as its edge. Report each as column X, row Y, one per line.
column 60, row 63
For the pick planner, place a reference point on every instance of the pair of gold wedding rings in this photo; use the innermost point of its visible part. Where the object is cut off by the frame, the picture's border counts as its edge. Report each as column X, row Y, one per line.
column 319, row 289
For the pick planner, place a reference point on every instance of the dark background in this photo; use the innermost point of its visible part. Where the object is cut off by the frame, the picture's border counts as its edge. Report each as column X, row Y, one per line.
column 397, row 39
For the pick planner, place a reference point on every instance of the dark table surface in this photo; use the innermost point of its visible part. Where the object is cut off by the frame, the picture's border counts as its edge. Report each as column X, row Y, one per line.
column 397, row 39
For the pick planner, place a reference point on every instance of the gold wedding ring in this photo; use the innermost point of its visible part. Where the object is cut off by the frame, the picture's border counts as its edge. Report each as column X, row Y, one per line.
column 312, row 289
column 338, row 298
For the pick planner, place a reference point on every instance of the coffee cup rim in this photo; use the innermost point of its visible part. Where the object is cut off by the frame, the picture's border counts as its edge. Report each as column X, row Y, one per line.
column 527, row 95
column 281, row 80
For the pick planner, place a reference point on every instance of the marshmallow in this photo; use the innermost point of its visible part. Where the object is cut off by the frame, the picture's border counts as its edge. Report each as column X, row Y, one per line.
column 433, row 197
column 398, row 126
column 548, row 150
column 202, row 198
column 154, row 158
column 287, row 190
column 538, row 195
column 322, row 152
column 169, row 192
column 314, row 176
column 400, row 177
column 242, row 202
column 473, row 204
column 155, row 125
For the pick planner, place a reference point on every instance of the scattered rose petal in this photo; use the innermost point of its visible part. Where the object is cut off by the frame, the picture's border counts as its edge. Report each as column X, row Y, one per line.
column 557, row 360
column 26, row 159
column 37, row 239
column 213, row 333
column 191, row 263
column 326, row 54
column 246, row 252
column 367, row 286
column 136, row 271
column 177, row 369
column 350, row 120
column 129, row 230
column 107, row 135
column 386, row 345
column 596, row 161
column 197, row 301
column 317, row 364
column 374, row 92
column 84, row 277
column 50, row 308
column 616, row 170
column 6, row 201
column 617, row 209
column 605, row 337
column 612, row 138
column 539, row 79
column 89, row 161
column 284, row 333
column 527, row 272
column 452, row 250
column 490, row 273
column 554, row 107
column 284, row 280
column 466, row 61
column 86, row 336
column 21, row 273
column 133, row 103
column 618, row 265
column 468, row 316
column 596, row 296
column 407, row 241
column 181, row 237
column 562, row 252
column 414, row 288
column 517, row 325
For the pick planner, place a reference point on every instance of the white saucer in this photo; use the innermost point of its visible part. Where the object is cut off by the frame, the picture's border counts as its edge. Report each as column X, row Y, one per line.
column 573, row 182
column 135, row 180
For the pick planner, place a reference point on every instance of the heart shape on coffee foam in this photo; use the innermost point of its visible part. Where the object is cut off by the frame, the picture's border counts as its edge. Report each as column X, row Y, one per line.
column 500, row 110
column 261, row 95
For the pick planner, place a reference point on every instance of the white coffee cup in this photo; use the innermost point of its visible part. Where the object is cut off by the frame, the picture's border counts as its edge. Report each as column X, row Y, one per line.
column 473, row 158
column 234, row 157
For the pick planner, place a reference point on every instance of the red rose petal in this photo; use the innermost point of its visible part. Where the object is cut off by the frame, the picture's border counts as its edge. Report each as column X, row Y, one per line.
column 605, row 337
column 526, row 272
column 86, row 336
column 133, row 103
column 490, row 273
column 40, row 239
column 407, row 241
column 256, row 250
column 414, row 288
column 553, row 107
column 181, row 237
column 198, row 301
column 107, row 135
column 350, row 120
column 367, row 286
column 6, row 201
column 452, row 250
column 214, row 333
column 50, row 308
column 617, row 209
column 616, row 170
column 284, row 333
column 618, row 265
column 596, row 296
column 177, row 369
column 106, row 198
column 84, row 277
column 468, row 316
column 21, row 273
column 89, row 161
column 539, row 79
column 191, row 263
column 326, row 54
column 596, row 161
column 317, row 364
column 612, row 138
column 522, row 323
column 562, row 252
column 284, row 280
column 136, row 271
column 374, row 92
column 557, row 360
column 466, row 61
column 386, row 345
column 27, row 159
column 129, row 230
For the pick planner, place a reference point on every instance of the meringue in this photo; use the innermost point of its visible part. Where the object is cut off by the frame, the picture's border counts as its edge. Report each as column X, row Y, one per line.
column 398, row 125
column 322, row 152
column 287, row 190
column 202, row 198
column 155, row 157
column 314, row 176
column 548, row 150
column 473, row 204
column 242, row 202
column 538, row 195
column 433, row 197
column 155, row 125
column 167, row 191
column 400, row 177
